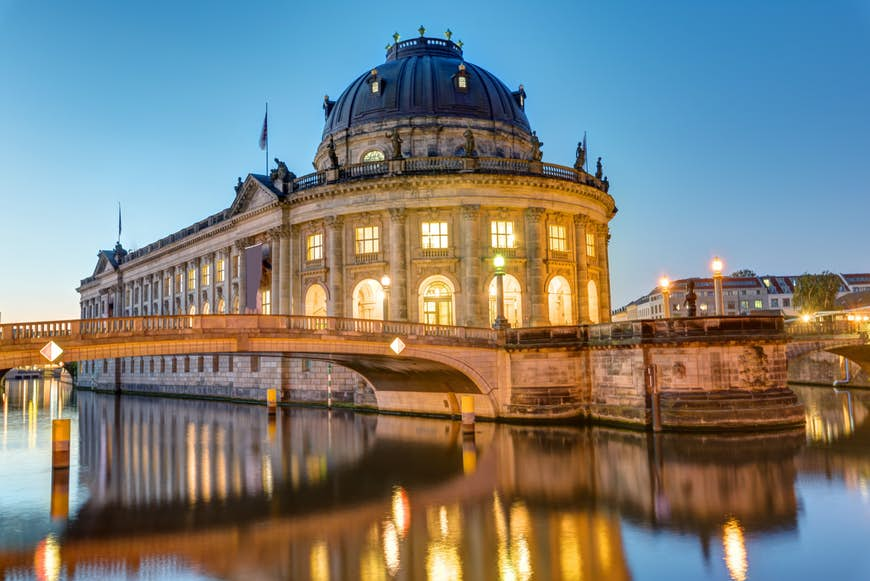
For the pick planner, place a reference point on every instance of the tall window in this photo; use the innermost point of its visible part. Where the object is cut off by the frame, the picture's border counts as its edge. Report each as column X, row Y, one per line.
column 373, row 155
column 314, row 247
column 236, row 262
column 434, row 235
column 191, row 279
column 219, row 270
column 178, row 281
column 590, row 244
column 558, row 238
column 266, row 302
column 205, row 271
column 502, row 234
column 367, row 240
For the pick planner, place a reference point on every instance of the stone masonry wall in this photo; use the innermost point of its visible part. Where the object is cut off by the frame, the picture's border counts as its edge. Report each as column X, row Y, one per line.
column 822, row 367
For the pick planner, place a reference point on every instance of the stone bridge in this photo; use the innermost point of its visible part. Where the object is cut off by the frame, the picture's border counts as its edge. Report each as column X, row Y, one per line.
column 821, row 353
column 704, row 373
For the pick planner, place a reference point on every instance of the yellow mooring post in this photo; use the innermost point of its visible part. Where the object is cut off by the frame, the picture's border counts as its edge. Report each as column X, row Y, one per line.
column 60, row 493
column 272, row 400
column 60, row 443
column 467, row 408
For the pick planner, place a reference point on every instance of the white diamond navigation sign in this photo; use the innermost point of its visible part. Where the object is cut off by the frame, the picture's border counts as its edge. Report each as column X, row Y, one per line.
column 51, row 351
column 397, row 345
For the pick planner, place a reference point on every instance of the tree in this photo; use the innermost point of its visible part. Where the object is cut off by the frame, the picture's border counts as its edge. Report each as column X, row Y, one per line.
column 743, row 273
column 816, row 292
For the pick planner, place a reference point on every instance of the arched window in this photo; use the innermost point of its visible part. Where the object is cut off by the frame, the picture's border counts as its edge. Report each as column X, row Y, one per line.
column 373, row 155
column 436, row 301
column 315, row 301
column 368, row 300
column 592, row 292
column 559, row 301
column 513, row 300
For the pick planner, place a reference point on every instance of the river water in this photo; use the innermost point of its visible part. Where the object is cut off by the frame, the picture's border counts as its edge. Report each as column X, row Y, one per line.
column 184, row 489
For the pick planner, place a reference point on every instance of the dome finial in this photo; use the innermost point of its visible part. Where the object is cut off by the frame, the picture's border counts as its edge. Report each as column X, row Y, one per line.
column 422, row 30
column 459, row 43
column 396, row 37
column 448, row 33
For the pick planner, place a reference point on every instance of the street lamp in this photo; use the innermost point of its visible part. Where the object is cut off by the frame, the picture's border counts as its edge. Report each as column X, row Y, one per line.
column 716, row 266
column 385, row 282
column 665, row 286
column 500, row 321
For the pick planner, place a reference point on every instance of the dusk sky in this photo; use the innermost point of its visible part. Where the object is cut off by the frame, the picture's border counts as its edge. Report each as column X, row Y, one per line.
column 738, row 128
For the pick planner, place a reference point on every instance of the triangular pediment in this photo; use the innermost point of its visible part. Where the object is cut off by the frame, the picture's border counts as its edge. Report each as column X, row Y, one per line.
column 104, row 265
column 251, row 195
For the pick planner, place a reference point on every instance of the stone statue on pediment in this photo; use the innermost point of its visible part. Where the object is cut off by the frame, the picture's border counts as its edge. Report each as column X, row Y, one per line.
column 581, row 157
column 469, row 143
column 599, row 169
column 537, row 154
column 330, row 151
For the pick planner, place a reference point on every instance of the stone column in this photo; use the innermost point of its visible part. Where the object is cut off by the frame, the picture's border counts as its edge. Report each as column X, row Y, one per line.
column 285, row 280
column 240, row 248
column 582, row 278
column 398, row 271
column 213, row 287
column 335, row 265
column 158, row 293
column 228, row 279
column 197, row 277
column 535, row 239
column 475, row 298
column 275, row 289
column 296, row 305
column 603, row 244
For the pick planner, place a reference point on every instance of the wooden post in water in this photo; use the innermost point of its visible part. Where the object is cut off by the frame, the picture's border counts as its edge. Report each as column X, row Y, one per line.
column 60, row 493
column 60, row 443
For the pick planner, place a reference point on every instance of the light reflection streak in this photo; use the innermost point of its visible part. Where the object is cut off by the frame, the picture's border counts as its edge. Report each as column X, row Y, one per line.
column 319, row 561
column 570, row 555
column 191, row 462
column 391, row 547
column 735, row 550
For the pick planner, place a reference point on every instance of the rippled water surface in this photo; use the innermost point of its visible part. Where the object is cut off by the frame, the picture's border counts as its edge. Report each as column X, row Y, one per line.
column 176, row 489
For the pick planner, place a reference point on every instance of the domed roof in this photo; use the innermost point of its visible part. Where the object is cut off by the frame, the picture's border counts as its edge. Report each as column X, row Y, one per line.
column 420, row 77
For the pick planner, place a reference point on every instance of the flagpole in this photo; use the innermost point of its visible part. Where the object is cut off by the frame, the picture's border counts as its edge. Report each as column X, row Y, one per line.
column 267, row 138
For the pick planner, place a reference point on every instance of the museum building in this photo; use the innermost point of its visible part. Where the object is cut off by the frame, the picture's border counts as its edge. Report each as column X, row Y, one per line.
column 427, row 170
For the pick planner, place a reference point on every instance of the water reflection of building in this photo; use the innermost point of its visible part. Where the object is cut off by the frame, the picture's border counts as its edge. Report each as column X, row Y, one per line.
column 380, row 497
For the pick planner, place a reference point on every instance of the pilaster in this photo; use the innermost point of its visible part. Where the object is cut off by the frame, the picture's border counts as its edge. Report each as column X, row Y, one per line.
column 398, row 269
column 474, row 297
column 581, row 222
column 538, row 314
column 335, row 265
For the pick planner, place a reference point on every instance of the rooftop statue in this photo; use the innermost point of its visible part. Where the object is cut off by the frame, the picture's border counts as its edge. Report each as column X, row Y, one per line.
column 397, row 143
column 469, row 143
column 330, row 151
column 599, row 170
column 691, row 299
column 537, row 155
column 581, row 157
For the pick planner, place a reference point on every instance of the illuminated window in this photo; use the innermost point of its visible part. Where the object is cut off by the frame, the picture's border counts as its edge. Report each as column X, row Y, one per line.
column 434, row 235
column 462, row 82
column 219, row 271
column 205, row 271
column 374, row 82
column 191, row 278
column 590, row 244
column 314, row 247
column 460, row 79
column 502, row 234
column 367, row 240
column 558, row 238
column 759, row 304
column 373, row 155
column 236, row 262
column 266, row 302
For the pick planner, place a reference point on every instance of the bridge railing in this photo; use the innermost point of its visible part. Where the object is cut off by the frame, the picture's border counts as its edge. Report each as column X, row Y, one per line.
column 685, row 329
column 812, row 328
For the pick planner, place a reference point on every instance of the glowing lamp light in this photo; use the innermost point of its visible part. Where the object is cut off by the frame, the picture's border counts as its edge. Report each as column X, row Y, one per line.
column 717, row 265
column 850, row 317
column 498, row 262
column 385, row 281
column 805, row 318
column 664, row 283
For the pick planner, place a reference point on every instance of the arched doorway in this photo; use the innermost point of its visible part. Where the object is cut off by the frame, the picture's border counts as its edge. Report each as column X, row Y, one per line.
column 592, row 292
column 513, row 300
column 368, row 300
column 559, row 301
column 436, row 301
column 315, row 301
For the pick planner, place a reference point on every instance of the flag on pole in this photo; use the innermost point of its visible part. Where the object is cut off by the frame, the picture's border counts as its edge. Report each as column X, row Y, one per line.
column 264, row 134
column 119, row 222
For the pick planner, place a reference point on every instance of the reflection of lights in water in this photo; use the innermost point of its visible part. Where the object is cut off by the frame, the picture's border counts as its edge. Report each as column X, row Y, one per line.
column 391, row 547
column 46, row 559
column 442, row 562
column 735, row 550
column 191, row 462
column 220, row 442
column 294, row 471
column 401, row 511
column 319, row 561
column 268, row 478
column 442, row 521
column 570, row 557
column 602, row 540
column 205, row 462
column 371, row 567
column 514, row 555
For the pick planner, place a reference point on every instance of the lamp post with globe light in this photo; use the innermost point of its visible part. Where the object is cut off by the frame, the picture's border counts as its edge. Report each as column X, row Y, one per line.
column 665, row 286
column 500, row 321
column 716, row 265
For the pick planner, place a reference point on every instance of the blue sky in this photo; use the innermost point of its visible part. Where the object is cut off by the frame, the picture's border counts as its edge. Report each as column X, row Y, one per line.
column 736, row 128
